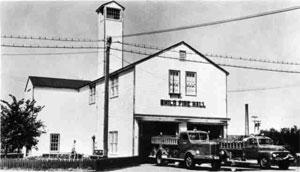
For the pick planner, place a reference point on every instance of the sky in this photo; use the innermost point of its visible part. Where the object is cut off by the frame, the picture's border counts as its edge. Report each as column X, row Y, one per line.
column 272, row 96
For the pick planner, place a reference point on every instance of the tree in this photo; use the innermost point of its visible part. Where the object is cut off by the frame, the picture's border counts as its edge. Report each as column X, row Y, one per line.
column 20, row 126
column 286, row 136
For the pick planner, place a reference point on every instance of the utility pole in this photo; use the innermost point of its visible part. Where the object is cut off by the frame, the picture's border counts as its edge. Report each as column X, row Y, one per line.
column 106, row 100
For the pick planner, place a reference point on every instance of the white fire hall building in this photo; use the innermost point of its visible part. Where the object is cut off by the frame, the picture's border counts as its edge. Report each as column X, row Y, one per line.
column 173, row 90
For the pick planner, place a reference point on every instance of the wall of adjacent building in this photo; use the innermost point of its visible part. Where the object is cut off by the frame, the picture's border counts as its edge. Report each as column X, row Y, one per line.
column 67, row 112
column 152, row 85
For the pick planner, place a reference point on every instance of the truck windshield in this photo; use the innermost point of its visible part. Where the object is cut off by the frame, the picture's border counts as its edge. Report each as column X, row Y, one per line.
column 265, row 141
column 198, row 136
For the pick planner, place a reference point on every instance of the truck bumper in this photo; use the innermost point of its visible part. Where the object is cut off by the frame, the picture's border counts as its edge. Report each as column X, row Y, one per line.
column 289, row 158
column 206, row 158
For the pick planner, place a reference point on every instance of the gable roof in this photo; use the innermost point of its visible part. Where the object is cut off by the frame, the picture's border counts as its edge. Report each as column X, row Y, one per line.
column 154, row 55
column 100, row 9
column 56, row 82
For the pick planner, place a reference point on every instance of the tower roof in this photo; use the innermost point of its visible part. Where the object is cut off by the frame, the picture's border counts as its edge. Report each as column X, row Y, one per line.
column 100, row 9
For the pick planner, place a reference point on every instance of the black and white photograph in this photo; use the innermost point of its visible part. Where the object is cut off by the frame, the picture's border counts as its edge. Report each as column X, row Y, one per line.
column 150, row 85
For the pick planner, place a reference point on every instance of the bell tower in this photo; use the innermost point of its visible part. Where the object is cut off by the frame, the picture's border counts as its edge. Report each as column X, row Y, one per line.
column 110, row 24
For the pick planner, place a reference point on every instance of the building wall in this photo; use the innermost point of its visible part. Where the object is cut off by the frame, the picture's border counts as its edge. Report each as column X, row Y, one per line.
column 68, row 113
column 152, row 85
column 121, row 113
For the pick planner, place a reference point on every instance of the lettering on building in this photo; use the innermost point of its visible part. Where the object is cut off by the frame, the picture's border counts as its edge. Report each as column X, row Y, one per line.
column 182, row 103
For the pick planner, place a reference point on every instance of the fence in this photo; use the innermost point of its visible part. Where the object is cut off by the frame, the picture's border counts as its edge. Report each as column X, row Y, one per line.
column 47, row 164
column 43, row 164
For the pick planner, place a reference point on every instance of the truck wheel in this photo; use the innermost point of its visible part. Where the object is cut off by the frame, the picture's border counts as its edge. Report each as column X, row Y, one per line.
column 216, row 165
column 189, row 161
column 159, row 160
column 284, row 165
column 264, row 163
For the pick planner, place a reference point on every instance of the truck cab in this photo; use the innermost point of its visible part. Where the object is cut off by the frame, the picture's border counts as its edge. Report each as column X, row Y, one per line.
column 267, row 154
column 189, row 141
column 189, row 148
column 258, row 148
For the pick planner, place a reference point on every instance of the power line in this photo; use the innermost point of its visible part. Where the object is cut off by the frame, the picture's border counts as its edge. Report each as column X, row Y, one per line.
column 214, row 22
column 160, row 48
column 139, row 45
column 160, row 31
column 257, row 68
column 141, row 68
column 253, row 59
column 47, row 46
column 51, row 39
column 212, row 55
column 231, row 91
column 226, row 65
column 142, row 53
column 30, row 54
column 262, row 89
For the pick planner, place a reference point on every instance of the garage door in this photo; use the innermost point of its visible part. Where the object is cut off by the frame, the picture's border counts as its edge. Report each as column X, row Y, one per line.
column 214, row 130
column 152, row 128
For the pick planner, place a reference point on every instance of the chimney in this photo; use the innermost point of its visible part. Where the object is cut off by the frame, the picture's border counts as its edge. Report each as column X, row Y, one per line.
column 246, row 120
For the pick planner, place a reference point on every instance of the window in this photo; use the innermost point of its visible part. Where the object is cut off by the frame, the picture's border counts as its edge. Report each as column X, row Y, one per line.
column 92, row 94
column 182, row 55
column 265, row 141
column 253, row 141
column 198, row 136
column 191, row 84
column 113, row 13
column 114, row 86
column 113, row 142
column 54, row 142
column 184, row 136
column 174, row 82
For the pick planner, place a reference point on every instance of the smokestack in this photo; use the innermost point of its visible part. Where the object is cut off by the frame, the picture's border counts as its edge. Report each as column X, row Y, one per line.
column 246, row 120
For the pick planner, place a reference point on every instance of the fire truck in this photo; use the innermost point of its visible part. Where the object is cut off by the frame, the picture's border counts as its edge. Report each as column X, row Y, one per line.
column 188, row 147
column 258, row 148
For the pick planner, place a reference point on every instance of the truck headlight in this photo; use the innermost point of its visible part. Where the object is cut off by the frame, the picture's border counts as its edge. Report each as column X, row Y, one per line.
column 197, row 152
column 222, row 152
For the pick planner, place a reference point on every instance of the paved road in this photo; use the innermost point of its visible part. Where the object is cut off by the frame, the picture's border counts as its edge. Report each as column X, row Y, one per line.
column 202, row 168
column 169, row 168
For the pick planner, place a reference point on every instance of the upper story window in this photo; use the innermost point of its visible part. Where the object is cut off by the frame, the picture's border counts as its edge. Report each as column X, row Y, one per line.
column 113, row 13
column 182, row 55
column 92, row 98
column 114, row 86
column 191, row 83
column 54, row 142
column 174, row 82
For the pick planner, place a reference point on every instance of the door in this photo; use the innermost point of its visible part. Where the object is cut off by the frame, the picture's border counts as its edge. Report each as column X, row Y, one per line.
column 251, row 149
column 183, row 144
